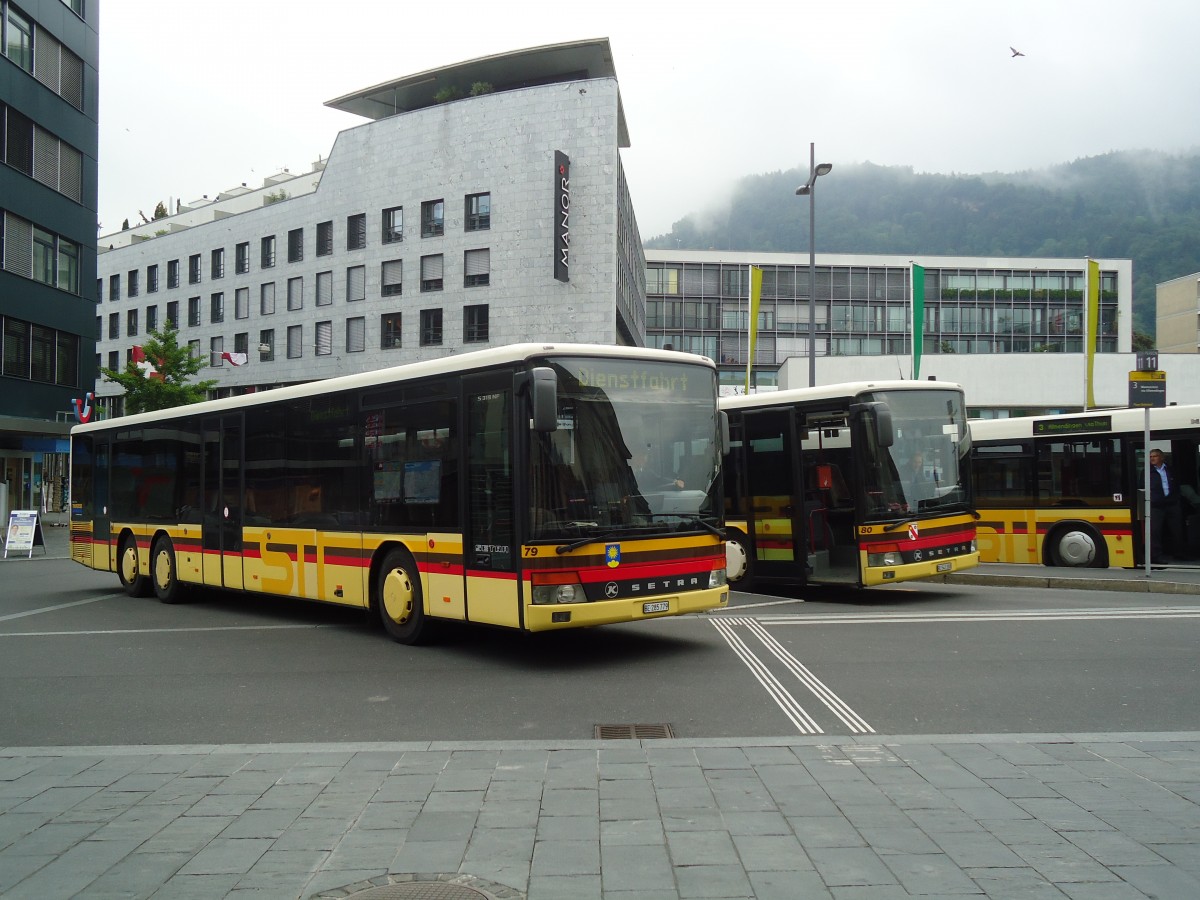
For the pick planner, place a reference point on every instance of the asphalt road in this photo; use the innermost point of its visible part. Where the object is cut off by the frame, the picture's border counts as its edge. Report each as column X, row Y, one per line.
column 83, row 664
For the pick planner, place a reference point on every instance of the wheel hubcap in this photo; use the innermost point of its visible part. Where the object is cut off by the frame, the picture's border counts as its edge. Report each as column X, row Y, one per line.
column 735, row 560
column 129, row 568
column 162, row 569
column 1077, row 548
column 398, row 596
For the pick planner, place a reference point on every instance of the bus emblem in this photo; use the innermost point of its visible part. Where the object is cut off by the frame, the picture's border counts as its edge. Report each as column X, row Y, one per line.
column 612, row 555
column 913, row 531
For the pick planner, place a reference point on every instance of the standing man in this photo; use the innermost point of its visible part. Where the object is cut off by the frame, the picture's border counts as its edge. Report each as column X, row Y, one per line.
column 1164, row 509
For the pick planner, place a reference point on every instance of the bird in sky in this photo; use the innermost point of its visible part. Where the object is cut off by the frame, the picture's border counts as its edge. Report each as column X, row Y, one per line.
column 1016, row 52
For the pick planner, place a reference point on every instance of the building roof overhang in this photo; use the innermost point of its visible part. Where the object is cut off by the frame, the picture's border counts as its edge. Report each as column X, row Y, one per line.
column 549, row 64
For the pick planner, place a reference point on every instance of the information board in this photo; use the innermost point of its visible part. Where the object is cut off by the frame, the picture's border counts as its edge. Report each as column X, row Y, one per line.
column 24, row 532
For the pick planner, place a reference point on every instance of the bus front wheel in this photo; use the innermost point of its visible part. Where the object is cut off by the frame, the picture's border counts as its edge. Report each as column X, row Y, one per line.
column 398, row 594
column 739, row 564
column 163, row 572
column 135, row 583
column 1077, row 546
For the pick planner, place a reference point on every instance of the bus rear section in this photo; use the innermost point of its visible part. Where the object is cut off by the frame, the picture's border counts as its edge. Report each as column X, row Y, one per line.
column 860, row 485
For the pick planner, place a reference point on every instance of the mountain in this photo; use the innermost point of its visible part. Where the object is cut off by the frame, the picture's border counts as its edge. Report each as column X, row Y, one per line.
column 1143, row 206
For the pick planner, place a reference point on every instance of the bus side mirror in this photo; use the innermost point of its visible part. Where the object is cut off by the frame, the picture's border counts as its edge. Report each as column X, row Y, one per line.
column 879, row 416
column 723, row 424
column 543, row 398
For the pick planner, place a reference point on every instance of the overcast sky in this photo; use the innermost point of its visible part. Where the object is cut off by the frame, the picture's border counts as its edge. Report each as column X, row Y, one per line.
column 196, row 97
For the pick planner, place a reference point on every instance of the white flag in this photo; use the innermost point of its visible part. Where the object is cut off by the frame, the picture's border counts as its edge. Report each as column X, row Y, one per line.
column 236, row 359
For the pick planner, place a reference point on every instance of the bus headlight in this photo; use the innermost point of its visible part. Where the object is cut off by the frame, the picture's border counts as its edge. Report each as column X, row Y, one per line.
column 891, row 558
column 716, row 578
column 559, row 587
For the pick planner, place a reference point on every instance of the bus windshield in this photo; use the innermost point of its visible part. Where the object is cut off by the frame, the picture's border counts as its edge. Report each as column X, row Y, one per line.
column 636, row 450
column 926, row 469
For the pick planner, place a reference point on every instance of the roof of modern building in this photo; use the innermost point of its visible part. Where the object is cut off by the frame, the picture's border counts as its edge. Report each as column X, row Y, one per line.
column 548, row 64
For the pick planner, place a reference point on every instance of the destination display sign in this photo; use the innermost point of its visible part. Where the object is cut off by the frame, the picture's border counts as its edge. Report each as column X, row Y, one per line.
column 1083, row 425
column 1148, row 389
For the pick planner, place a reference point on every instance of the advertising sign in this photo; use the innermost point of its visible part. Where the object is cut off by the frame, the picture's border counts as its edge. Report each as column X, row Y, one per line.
column 24, row 532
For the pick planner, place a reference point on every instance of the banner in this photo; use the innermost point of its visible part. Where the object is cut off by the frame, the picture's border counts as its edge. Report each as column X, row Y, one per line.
column 755, row 296
column 918, row 318
column 1093, row 327
column 24, row 532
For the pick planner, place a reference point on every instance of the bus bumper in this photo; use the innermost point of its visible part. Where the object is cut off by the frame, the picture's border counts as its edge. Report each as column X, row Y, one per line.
column 913, row 571
column 631, row 609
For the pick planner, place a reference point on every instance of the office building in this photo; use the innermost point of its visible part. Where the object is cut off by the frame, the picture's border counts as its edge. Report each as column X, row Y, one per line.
column 1177, row 315
column 480, row 204
column 48, row 139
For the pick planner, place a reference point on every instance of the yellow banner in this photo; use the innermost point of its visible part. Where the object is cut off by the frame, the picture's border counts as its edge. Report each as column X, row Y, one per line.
column 755, row 296
column 1093, row 326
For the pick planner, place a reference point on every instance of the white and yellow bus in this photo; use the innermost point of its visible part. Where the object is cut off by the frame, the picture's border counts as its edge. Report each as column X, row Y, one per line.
column 493, row 487
column 858, row 484
column 1067, row 490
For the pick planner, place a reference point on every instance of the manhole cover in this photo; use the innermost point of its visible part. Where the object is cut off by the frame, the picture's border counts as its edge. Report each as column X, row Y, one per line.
column 420, row 890
column 422, row 887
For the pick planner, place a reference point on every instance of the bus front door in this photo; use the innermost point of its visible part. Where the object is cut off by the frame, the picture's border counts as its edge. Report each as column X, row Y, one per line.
column 221, row 531
column 775, row 507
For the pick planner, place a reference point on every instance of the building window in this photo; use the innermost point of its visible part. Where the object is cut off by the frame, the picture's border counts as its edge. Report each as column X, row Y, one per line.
column 18, row 44
column 431, row 272
column 431, row 327
column 295, row 293
column 68, row 266
column 391, row 278
column 324, row 288
column 477, row 265
column 241, row 258
column 356, row 283
column 433, row 218
column 356, row 334
column 266, row 344
column 296, row 245
column 479, row 212
column 193, row 311
column 131, row 322
column 152, row 279
column 42, row 354
column 324, row 345
column 241, row 303
column 389, row 331
column 132, row 282
column 173, row 274
column 151, row 319
column 266, row 299
column 114, row 361
column 216, row 308
column 475, row 323
column 114, row 288
column 43, row 256
column 393, row 225
column 216, row 268
column 114, row 327
column 68, row 360
column 194, row 269
column 324, row 238
column 173, row 313
column 216, row 348
column 295, row 341
column 356, row 231
column 194, row 349
column 267, row 256
column 241, row 343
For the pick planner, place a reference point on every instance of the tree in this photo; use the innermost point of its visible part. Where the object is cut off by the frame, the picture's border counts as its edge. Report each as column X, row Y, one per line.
column 167, row 385
column 1142, row 341
column 160, row 211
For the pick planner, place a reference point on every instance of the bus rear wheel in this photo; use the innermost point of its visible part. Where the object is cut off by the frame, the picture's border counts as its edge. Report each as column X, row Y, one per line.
column 398, row 596
column 1077, row 546
column 163, row 573
column 135, row 583
column 739, row 564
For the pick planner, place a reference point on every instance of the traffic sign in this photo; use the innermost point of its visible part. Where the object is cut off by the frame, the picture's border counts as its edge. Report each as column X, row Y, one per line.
column 1148, row 389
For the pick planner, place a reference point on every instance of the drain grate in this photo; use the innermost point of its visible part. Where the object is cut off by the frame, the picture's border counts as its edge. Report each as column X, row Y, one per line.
column 635, row 732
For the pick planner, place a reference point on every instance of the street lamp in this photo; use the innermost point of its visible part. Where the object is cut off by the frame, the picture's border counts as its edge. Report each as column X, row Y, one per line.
column 808, row 189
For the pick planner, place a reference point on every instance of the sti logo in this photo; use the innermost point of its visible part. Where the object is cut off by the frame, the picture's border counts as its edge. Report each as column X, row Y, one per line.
column 913, row 531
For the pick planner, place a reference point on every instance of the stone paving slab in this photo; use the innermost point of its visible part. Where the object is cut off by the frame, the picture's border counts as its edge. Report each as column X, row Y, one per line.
column 1040, row 815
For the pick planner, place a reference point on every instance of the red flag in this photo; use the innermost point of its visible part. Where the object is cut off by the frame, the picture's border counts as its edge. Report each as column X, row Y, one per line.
column 147, row 367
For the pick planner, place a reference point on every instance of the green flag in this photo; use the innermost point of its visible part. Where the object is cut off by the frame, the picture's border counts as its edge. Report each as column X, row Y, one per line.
column 918, row 317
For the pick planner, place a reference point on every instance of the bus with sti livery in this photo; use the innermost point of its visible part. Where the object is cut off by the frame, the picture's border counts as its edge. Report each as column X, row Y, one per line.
column 857, row 484
column 494, row 487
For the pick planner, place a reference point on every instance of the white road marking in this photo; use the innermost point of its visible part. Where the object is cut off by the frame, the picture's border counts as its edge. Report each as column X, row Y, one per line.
column 46, row 609
column 160, row 630
column 786, row 702
column 1045, row 615
column 741, row 606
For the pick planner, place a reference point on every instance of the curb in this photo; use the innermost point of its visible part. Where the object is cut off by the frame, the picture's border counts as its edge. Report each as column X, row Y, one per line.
column 1132, row 586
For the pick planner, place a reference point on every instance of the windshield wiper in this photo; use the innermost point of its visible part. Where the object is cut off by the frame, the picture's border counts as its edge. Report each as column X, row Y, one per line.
column 575, row 545
column 692, row 517
column 894, row 525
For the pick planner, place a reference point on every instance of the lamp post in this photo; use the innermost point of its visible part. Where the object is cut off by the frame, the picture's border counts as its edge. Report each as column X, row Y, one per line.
column 808, row 189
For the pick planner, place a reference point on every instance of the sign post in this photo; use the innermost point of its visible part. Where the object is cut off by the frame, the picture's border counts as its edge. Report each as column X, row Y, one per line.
column 1147, row 389
column 24, row 532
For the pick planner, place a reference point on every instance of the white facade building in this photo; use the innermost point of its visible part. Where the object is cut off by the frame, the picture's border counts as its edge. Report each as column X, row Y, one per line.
column 441, row 225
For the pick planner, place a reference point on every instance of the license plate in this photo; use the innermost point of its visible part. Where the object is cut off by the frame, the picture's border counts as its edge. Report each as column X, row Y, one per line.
column 945, row 567
column 656, row 607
